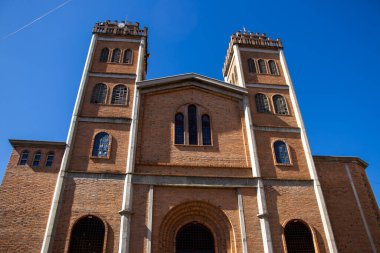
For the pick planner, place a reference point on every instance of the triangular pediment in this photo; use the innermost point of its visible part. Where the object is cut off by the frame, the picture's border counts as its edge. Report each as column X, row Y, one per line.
column 191, row 80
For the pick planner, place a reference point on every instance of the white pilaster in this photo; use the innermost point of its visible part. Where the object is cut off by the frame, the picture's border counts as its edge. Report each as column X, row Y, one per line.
column 242, row 221
column 126, row 211
column 309, row 159
column 49, row 232
column 261, row 200
column 150, row 221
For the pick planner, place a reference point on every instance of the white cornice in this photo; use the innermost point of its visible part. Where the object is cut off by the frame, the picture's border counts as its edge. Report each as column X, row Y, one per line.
column 259, row 50
column 106, row 75
column 119, row 39
column 190, row 79
column 267, row 86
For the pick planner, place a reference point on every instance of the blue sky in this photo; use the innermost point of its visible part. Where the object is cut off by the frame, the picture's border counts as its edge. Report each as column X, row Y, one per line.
column 332, row 49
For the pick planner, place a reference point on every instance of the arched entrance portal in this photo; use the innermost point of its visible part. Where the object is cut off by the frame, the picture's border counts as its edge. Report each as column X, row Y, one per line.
column 194, row 238
column 87, row 235
column 298, row 237
column 196, row 227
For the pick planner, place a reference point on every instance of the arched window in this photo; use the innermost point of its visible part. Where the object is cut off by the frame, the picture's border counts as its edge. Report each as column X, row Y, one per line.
column 272, row 67
column 99, row 94
column 206, row 130
column 127, row 56
column 280, row 105
column 193, row 134
column 262, row 67
column 298, row 237
column 49, row 159
column 24, row 157
column 194, row 237
column 116, row 55
column 251, row 66
column 281, row 152
column 179, row 128
column 101, row 145
column 262, row 103
column 87, row 235
column 104, row 55
column 36, row 159
column 119, row 95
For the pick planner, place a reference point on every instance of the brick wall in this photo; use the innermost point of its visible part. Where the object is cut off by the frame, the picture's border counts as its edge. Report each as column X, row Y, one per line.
column 25, row 198
column 348, row 228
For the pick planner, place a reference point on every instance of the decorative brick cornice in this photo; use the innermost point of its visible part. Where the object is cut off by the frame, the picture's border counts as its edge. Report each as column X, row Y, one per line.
column 340, row 159
column 251, row 40
column 120, row 28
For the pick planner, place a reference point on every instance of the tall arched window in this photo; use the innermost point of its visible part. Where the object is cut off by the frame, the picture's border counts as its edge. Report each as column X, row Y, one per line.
column 251, row 66
column 36, row 159
column 280, row 106
column 104, row 55
column 127, row 56
column 193, row 133
column 206, row 130
column 272, row 67
column 262, row 67
column 101, row 145
column 194, row 237
column 119, row 95
column 49, row 159
column 116, row 55
column 281, row 152
column 23, row 157
column 262, row 103
column 298, row 237
column 87, row 235
column 99, row 93
column 179, row 128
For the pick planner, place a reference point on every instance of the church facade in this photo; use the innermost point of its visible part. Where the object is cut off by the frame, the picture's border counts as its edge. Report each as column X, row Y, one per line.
column 185, row 164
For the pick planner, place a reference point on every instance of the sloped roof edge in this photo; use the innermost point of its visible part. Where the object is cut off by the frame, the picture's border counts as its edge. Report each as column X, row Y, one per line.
column 190, row 76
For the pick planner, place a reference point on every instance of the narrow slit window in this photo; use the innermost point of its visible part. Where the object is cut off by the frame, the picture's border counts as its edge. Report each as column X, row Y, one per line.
column 101, row 145
column 36, row 159
column 24, row 157
column 99, row 94
column 127, row 56
column 262, row 67
column 49, row 159
column 273, row 67
column 116, row 55
column 193, row 133
column 206, row 130
column 280, row 106
column 119, row 95
column 262, row 103
column 179, row 136
column 251, row 66
column 104, row 55
column 281, row 152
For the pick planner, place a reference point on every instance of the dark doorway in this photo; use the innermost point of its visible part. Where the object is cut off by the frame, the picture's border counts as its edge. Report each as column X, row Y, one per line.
column 194, row 238
column 87, row 236
column 298, row 238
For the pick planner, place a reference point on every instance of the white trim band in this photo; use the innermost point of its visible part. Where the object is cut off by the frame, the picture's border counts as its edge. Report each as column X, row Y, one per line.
column 123, row 76
column 119, row 40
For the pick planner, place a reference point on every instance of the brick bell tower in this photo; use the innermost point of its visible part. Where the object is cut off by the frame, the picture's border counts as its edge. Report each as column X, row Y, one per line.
column 274, row 127
column 105, row 109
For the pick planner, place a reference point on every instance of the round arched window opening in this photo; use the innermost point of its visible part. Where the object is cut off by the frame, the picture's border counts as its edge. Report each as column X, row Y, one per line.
column 194, row 238
column 298, row 237
column 87, row 235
